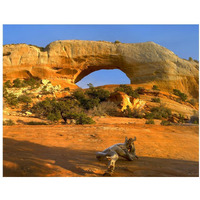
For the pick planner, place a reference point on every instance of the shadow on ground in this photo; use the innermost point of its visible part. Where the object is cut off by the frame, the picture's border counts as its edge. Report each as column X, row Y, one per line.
column 26, row 159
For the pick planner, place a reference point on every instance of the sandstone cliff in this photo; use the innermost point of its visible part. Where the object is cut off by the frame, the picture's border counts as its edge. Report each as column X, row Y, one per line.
column 67, row 62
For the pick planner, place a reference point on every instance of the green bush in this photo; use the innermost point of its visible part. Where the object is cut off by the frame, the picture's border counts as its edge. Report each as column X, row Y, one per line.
column 180, row 94
column 55, row 110
column 140, row 90
column 34, row 83
column 7, row 84
column 196, row 61
column 150, row 121
column 18, row 83
column 117, row 42
column 11, row 99
column 24, row 99
column 159, row 113
column 66, row 89
column 36, row 123
column 128, row 90
column 190, row 59
column 105, row 108
column 157, row 100
column 82, row 118
column 165, row 123
column 155, row 87
column 181, row 118
column 135, row 113
column 8, row 122
column 98, row 93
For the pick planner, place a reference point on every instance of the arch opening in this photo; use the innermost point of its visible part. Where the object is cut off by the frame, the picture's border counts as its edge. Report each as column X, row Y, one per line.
column 104, row 77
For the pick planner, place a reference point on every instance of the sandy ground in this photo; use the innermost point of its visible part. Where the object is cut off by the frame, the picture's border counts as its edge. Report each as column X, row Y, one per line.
column 69, row 150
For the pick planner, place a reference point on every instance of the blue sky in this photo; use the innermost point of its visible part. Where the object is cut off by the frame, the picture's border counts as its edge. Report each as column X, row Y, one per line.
column 183, row 40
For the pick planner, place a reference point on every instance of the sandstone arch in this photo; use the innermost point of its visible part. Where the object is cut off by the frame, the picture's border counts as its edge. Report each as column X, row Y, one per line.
column 66, row 62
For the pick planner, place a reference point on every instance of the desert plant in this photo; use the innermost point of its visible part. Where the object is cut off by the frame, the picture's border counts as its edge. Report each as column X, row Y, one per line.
column 181, row 118
column 36, row 123
column 190, row 59
column 180, row 94
column 105, row 108
column 24, row 99
column 34, row 83
column 135, row 113
column 82, row 118
column 155, row 87
column 8, row 122
column 7, row 84
column 128, row 90
column 165, row 123
column 18, row 83
column 150, row 121
column 66, row 89
column 140, row 90
column 117, row 42
column 157, row 100
column 159, row 113
column 11, row 99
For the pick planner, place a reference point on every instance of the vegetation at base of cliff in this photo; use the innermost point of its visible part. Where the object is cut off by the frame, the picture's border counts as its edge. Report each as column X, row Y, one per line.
column 54, row 110
column 159, row 113
column 135, row 113
column 165, row 123
column 17, row 83
column 157, row 100
column 90, row 98
column 155, row 87
column 8, row 122
column 150, row 121
column 36, row 123
column 178, row 93
column 128, row 90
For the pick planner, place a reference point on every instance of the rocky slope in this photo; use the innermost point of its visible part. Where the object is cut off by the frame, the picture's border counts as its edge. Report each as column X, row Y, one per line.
column 66, row 62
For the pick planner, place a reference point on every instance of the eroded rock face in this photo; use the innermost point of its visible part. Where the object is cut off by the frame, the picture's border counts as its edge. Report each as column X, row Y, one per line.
column 66, row 62
column 123, row 100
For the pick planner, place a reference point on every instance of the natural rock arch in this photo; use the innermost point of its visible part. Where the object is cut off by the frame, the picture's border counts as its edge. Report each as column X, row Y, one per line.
column 67, row 62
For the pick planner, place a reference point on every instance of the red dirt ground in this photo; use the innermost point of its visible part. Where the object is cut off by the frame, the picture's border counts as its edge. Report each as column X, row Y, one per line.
column 69, row 150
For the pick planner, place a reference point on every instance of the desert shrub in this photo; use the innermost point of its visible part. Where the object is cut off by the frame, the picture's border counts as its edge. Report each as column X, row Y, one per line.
column 180, row 94
column 140, row 90
column 24, row 99
column 98, row 93
column 36, row 123
column 190, row 59
column 45, row 92
column 150, row 121
column 34, row 83
column 5, row 92
column 159, row 113
column 82, row 118
column 157, row 100
column 128, row 90
column 135, row 113
column 79, row 94
column 11, row 99
column 181, row 118
column 8, row 122
column 66, row 89
column 192, row 101
column 18, row 83
column 55, row 110
column 104, row 108
column 117, row 42
column 196, row 61
column 155, row 87
column 165, row 123
column 7, row 84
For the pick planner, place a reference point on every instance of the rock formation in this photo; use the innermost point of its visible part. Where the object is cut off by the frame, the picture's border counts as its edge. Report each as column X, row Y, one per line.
column 123, row 100
column 67, row 62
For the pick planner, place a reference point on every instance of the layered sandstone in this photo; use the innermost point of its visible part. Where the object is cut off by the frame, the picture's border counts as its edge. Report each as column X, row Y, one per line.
column 66, row 62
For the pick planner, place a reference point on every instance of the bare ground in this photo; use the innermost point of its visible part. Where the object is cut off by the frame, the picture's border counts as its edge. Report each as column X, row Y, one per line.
column 69, row 150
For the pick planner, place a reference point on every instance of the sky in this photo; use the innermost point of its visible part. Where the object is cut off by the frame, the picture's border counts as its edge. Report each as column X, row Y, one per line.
column 183, row 40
